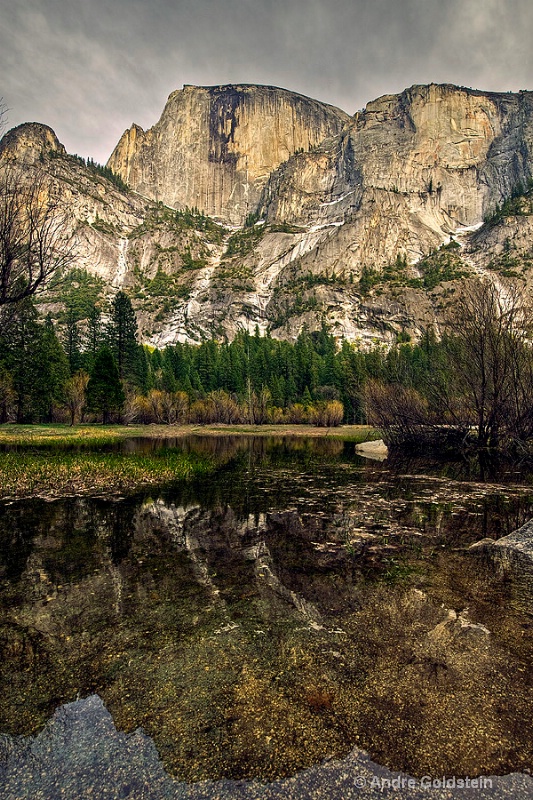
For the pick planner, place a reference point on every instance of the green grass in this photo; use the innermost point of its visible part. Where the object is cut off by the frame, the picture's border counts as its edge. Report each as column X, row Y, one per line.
column 60, row 434
column 58, row 460
column 57, row 474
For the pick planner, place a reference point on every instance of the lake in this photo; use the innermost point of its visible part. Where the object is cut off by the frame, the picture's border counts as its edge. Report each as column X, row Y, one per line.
column 295, row 602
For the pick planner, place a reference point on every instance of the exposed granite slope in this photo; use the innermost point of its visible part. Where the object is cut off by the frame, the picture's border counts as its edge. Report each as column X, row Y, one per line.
column 215, row 147
column 347, row 210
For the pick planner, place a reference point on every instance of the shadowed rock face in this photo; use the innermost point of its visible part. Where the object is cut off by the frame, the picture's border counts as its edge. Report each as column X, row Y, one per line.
column 513, row 556
column 510, row 560
column 215, row 147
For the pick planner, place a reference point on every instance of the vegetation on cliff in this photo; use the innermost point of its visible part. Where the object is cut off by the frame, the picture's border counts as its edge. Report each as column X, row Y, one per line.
column 518, row 204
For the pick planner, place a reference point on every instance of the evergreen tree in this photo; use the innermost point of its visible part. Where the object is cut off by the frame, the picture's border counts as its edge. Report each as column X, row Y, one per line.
column 52, row 372
column 19, row 347
column 7, row 394
column 94, row 334
column 351, row 377
column 122, row 339
column 206, row 365
column 104, row 390
column 145, row 376
column 168, row 381
column 237, row 368
column 72, row 340
column 307, row 400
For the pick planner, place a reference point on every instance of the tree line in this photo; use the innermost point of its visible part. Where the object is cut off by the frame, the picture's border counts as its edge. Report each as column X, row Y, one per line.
column 95, row 368
column 92, row 367
column 471, row 384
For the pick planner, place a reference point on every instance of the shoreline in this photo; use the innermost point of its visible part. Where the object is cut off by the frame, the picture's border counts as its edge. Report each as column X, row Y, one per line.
column 11, row 433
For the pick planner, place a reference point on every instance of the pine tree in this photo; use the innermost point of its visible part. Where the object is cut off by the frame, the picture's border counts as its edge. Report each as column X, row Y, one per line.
column 94, row 334
column 145, row 378
column 168, row 381
column 307, row 400
column 104, row 390
column 52, row 373
column 351, row 377
column 72, row 340
column 7, row 394
column 122, row 339
column 18, row 348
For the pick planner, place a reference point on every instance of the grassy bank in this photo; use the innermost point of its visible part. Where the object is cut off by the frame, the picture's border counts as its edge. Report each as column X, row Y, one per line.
column 60, row 474
column 97, row 435
column 58, row 460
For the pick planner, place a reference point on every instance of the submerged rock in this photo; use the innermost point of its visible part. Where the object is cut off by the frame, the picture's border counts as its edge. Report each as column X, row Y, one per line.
column 517, row 547
column 80, row 753
column 512, row 556
column 458, row 630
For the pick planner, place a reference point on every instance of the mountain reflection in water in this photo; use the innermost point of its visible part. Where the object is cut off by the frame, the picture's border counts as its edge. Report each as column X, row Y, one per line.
column 295, row 603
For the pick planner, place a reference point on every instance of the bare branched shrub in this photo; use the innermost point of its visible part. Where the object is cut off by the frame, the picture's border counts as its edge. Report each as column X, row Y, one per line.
column 489, row 353
column 74, row 393
column 223, row 408
column 399, row 411
column 297, row 414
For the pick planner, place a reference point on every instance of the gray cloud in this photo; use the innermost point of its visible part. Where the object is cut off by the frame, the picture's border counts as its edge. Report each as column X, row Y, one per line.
column 89, row 69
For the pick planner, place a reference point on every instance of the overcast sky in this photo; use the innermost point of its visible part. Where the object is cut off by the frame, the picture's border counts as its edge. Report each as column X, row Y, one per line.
column 89, row 68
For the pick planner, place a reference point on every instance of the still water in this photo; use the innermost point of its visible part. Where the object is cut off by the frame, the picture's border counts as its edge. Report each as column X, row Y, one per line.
column 297, row 602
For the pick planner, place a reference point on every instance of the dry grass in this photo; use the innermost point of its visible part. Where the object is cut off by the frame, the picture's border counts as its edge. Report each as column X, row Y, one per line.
column 95, row 435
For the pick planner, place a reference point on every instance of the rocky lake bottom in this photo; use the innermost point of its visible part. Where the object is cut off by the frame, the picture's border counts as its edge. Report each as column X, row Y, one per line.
column 295, row 603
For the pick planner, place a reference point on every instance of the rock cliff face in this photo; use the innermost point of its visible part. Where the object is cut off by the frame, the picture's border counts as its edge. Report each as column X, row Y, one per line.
column 214, row 148
column 410, row 169
column 25, row 143
column 367, row 222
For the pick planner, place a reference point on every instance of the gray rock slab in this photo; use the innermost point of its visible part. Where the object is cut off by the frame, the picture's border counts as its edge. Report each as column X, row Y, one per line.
column 513, row 557
column 80, row 754
column 376, row 450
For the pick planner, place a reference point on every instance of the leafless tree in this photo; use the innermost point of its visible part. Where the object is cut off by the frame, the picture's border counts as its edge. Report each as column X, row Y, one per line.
column 400, row 412
column 35, row 235
column 3, row 114
column 489, row 352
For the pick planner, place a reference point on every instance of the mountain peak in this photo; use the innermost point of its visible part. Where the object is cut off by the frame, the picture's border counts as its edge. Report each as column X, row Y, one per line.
column 29, row 140
column 215, row 147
